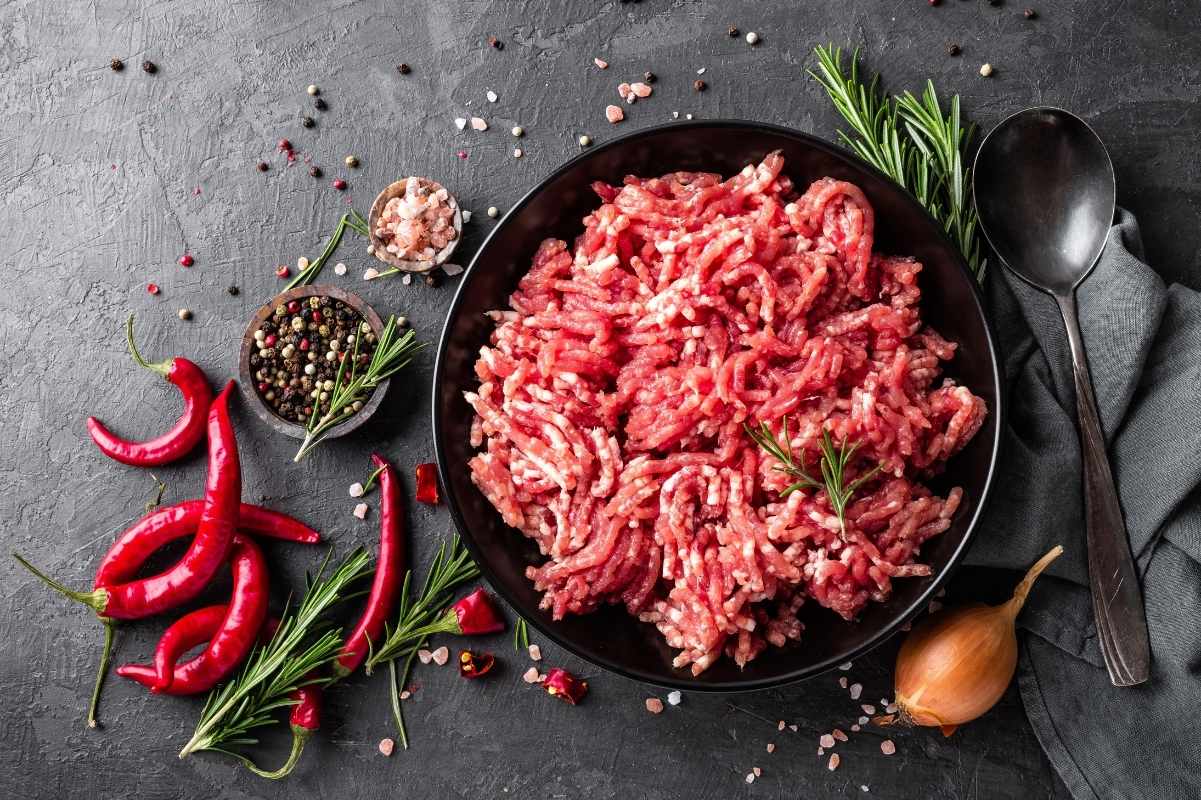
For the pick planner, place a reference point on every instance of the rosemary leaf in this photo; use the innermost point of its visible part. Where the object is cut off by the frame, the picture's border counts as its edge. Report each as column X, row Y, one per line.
column 351, row 219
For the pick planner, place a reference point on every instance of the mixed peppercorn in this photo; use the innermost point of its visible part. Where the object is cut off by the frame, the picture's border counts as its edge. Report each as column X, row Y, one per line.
column 299, row 349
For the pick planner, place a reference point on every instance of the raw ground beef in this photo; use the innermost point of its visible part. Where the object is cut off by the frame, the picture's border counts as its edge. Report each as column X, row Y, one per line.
column 614, row 392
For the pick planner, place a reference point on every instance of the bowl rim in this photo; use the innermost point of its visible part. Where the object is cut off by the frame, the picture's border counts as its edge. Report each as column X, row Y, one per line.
column 685, row 682
column 273, row 420
column 378, row 249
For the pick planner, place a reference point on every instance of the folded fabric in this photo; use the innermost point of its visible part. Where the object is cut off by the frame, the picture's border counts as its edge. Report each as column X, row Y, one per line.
column 1144, row 349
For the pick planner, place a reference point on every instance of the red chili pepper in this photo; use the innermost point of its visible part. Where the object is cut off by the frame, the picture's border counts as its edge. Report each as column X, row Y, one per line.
column 305, row 721
column 475, row 665
column 562, row 684
column 169, row 523
column 477, row 614
column 240, row 627
column 385, row 588
column 183, row 436
column 427, row 483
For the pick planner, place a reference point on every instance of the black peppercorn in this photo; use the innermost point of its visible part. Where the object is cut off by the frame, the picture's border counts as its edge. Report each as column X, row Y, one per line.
column 233, row 291
column 315, row 171
column 319, row 104
column 404, row 69
column 699, row 85
column 116, row 65
column 307, row 122
column 732, row 31
column 954, row 49
column 431, row 279
column 649, row 77
column 1030, row 13
column 149, row 67
column 262, row 166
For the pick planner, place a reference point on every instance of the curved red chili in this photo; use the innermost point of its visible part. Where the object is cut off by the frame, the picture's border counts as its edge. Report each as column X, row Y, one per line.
column 183, row 436
column 239, row 629
column 305, row 721
column 132, row 548
column 386, row 585
column 214, row 536
column 187, row 677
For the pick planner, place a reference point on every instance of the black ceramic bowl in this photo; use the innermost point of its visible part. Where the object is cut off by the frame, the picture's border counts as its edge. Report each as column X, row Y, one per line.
column 951, row 302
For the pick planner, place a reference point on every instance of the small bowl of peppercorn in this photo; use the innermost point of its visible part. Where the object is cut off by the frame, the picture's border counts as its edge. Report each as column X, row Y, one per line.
column 415, row 225
column 291, row 353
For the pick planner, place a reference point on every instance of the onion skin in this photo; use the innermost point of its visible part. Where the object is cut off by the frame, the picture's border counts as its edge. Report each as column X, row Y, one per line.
column 956, row 664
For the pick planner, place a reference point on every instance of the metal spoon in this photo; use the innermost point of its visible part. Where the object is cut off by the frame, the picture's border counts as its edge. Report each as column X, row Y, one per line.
column 1044, row 188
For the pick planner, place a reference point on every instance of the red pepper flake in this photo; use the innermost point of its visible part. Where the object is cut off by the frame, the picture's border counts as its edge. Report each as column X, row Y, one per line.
column 477, row 614
column 284, row 146
column 462, row 154
column 562, row 684
column 339, row 184
column 475, row 665
column 152, row 288
column 427, row 484
column 186, row 260
column 282, row 271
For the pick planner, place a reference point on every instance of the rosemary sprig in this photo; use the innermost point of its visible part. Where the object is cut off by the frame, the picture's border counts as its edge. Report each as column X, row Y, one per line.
column 393, row 352
column 521, row 635
column 422, row 617
column 909, row 140
column 832, row 465
column 351, row 219
column 301, row 644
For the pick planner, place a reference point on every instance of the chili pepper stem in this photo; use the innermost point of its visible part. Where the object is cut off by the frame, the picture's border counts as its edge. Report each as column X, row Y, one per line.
column 95, row 600
column 161, row 367
column 299, row 738
column 101, row 671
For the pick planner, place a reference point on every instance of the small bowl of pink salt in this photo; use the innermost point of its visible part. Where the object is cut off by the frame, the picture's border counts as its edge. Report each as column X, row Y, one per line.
column 415, row 225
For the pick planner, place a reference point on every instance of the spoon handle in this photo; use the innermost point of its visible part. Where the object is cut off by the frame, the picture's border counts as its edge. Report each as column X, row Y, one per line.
column 1117, row 596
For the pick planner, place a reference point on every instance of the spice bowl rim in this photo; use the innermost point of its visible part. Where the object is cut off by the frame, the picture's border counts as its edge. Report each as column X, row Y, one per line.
column 246, row 381
column 379, row 248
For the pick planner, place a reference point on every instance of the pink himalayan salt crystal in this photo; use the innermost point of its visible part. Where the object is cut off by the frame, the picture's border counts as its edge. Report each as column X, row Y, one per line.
column 856, row 690
column 600, row 63
column 416, row 225
column 827, row 741
column 758, row 772
column 780, row 725
column 834, row 761
column 441, row 655
column 360, row 511
column 424, row 656
column 614, row 114
column 478, row 124
column 641, row 89
column 654, row 705
column 531, row 675
column 386, row 746
column 623, row 89
column 771, row 747
column 535, row 652
column 839, row 735
column 888, row 747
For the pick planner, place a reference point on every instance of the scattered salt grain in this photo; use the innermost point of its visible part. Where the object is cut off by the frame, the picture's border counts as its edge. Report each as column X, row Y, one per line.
column 641, row 89
column 793, row 728
column 780, row 726
column 750, row 777
column 631, row 98
column 834, row 760
column 839, row 735
column 623, row 90
column 654, row 705
column 863, row 720
column 855, row 729
column 452, row 269
column 441, row 655
column 674, row 698
column 888, row 747
column 371, row 274
column 478, row 124
column 890, row 708
column 492, row 96
column 601, row 64
column 356, row 490
column 406, row 694
column 460, row 122
column 360, row 511
column 863, row 787
column 844, row 666
column 302, row 264
column 386, row 746
column 842, row 682
column 827, row 741
column 536, row 655
column 821, row 751
column 675, row 115
column 466, row 215
column 856, row 690
column 339, row 268
column 868, row 709
column 687, row 116
column 700, row 71
column 518, row 152
column 758, row 772
column 614, row 114
column 986, row 70
column 531, row 675
column 771, row 747
column 424, row 656
column 407, row 279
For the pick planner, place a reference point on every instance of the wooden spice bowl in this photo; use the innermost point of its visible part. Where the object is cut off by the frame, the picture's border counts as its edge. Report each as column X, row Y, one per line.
column 379, row 247
column 247, row 381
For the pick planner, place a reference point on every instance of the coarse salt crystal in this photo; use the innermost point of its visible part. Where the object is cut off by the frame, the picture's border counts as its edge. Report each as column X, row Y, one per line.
column 687, row 116
column 834, row 761
column 758, row 772
column 888, row 747
column 843, row 682
column 844, row 666
column 360, row 511
column 371, row 274
column 827, row 741
column 654, row 705
column 302, row 263
column 700, row 71
column 839, row 735
column 452, row 269
column 424, row 656
column 855, row 728
column 600, row 63
column 868, row 709
column 750, row 777
column 518, row 152
column 780, row 726
column 478, row 124
column 771, row 747
column 856, row 690
column 386, row 746
column 793, row 728
column 535, row 652
column 356, row 490
column 441, row 655
column 531, row 675
column 406, row 694
column 674, row 698
column 491, row 95
column 641, row 89
column 862, row 720
column 631, row 98
column 623, row 90
column 821, row 751
column 460, row 122
column 614, row 114
column 339, row 268
column 863, row 787
column 407, row 279
column 890, row 708
column 675, row 115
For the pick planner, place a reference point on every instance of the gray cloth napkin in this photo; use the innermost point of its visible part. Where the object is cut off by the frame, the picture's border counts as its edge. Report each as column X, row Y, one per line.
column 1144, row 348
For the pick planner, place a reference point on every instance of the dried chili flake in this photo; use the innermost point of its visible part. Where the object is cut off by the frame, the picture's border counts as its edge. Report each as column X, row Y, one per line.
column 152, row 288
column 427, row 483
column 562, row 684
column 475, row 665
column 476, row 615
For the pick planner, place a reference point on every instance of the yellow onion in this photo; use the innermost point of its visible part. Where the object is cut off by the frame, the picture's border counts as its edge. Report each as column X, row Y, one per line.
column 957, row 663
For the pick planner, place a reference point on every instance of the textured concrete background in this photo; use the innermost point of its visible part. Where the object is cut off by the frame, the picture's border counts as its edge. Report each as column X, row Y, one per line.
column 106, row 178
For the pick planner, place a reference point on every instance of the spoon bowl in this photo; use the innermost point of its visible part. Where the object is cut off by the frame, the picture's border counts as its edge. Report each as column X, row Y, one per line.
column 1045, row 186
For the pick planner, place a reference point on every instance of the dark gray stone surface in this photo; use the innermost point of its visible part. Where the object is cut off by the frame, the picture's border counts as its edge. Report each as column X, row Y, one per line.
column 106, row 178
